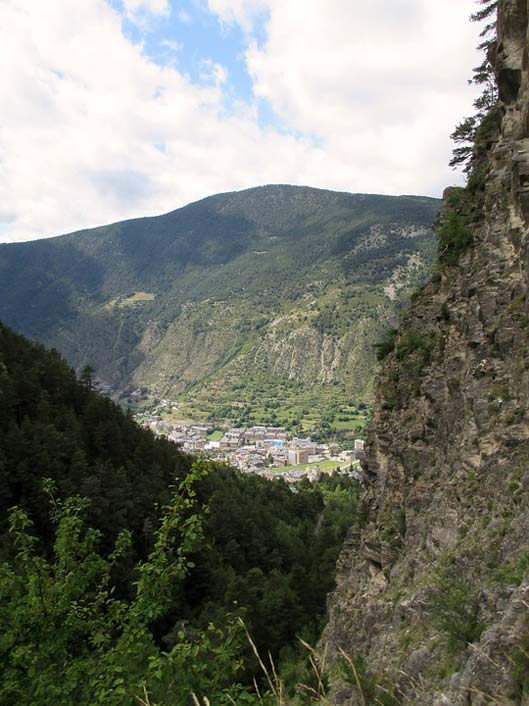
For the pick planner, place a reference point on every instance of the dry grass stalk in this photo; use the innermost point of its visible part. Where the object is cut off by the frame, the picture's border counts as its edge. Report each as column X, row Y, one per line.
column 276, row 687
column 356, row 677
column 144, row 700
column 196, row 701
column 314, row 658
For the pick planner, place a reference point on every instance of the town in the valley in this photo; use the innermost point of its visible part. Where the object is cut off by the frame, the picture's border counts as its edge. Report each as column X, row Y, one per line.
column 271, row 452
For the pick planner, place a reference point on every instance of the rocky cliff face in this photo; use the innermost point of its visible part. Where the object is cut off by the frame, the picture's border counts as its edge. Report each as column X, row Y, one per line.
column 432, row 603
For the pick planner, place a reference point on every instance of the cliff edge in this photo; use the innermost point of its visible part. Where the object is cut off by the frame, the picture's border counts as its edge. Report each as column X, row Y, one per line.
column 432, row 600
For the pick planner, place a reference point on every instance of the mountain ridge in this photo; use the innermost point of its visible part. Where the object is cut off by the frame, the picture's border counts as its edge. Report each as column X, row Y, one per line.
column 194, row 298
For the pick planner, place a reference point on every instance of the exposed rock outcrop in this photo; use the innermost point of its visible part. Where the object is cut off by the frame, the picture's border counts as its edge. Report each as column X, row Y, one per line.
column 432, row 603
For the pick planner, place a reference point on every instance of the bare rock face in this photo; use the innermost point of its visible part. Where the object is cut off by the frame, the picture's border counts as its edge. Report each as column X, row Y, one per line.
column 432, row 600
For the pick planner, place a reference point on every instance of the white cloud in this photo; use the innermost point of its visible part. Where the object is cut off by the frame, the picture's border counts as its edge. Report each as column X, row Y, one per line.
column 381, row 84
column 184, row 16
column 242, row 12
column 157, row 7
column 211, row 71
column 92, row 131
column 172, row 45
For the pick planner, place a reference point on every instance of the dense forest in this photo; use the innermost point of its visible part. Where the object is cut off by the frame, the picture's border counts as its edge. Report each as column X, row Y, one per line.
column 132, row 571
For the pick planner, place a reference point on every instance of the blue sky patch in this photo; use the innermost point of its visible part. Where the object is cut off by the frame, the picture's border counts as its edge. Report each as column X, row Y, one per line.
column 188, row 37
column 191, row 39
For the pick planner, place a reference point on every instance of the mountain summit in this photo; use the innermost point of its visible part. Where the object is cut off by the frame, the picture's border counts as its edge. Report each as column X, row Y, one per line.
column 270, row 295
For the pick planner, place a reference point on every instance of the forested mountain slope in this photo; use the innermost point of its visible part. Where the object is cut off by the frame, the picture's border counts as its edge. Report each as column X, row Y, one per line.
column 433, row 599
column 117, row 555
column 270, row 294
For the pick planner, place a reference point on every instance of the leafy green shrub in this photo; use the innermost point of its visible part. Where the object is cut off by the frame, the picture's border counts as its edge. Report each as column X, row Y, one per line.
column 436, row 276
column 455, row 612
column 513, row 416
column 394, row 528
column 389, row 389
column 455, row 236
column 67, row 638
column 414, row 350
column 386, row 345
column 412, row 342
column 512, row 573
column 501, row 390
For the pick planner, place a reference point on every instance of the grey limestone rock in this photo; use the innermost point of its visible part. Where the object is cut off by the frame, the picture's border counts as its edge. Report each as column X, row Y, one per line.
column 431, row 593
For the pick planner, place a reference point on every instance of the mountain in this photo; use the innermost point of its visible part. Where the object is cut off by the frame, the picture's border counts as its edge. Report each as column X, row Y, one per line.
column 52, row 426
column 261, row 305
column 433, row 591
column 118, row 553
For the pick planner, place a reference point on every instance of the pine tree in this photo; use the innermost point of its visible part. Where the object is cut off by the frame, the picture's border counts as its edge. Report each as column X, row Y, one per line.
column 483, row 75
column 87, row 377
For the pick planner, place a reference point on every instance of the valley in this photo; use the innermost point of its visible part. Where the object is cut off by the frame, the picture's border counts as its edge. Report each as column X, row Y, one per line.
column 272, row 448
column 270, row 452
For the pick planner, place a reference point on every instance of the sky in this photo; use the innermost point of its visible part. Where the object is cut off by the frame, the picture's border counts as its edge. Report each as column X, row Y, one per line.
column 115, row 109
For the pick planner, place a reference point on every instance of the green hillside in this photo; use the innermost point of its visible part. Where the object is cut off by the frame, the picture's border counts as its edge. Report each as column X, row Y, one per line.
column 260, row 305
column 118, row 554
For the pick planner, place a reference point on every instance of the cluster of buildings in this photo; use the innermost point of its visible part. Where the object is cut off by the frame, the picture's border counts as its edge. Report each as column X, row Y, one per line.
column 261, row 450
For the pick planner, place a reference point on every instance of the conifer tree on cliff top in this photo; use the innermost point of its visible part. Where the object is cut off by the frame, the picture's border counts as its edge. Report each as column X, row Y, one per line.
column 465, row 132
